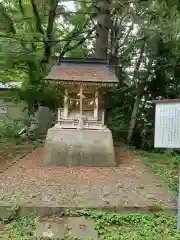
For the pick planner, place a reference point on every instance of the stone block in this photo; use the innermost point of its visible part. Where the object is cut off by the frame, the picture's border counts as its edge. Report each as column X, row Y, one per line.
column 46, row 230
column 81, row 228
column 77, row 147
column 6, row 210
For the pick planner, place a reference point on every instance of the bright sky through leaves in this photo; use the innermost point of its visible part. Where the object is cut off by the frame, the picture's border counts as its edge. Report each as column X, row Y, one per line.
column 70, row 6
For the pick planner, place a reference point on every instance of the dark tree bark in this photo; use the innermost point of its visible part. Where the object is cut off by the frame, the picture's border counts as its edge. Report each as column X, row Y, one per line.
column 132, row 123
column 102, row 30
column 49, row 31
column 140, row 89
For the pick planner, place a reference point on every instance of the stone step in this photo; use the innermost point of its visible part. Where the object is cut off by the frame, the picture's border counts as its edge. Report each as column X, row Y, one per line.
column 77, row 227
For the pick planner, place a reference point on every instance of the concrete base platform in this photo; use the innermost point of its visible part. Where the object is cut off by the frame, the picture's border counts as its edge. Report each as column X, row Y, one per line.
column 78, row 147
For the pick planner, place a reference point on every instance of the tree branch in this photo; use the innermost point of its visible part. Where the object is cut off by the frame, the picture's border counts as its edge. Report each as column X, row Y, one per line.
column 37, row 17
column 138, row 64
column 7, row 18
column 30, row 25
column 68, row 48
column 42, row 41
column 21, row 7
column 51, row 19
column 127, row 35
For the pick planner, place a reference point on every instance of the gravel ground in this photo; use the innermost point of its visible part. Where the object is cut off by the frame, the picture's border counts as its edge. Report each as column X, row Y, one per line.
column 129, row 184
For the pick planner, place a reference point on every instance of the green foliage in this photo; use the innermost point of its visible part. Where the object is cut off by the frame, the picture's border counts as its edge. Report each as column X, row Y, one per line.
column 51, row 95
column 165, row 165
column 140, row 186
column 30, row 36
column 135, row 226
column 20, row 228
column 154, row 74
column 9, row 133
column 8, row 95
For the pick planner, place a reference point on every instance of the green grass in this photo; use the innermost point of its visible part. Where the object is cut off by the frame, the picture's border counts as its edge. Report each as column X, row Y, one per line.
column 164, row 165
column 108, row 226
column 140, row 186
column 19, row 229
column 136, row 227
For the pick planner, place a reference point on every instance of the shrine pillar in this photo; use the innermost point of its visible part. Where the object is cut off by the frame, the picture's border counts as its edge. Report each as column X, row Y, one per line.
column 81, row 123
column 66, row 103
column 96, row 104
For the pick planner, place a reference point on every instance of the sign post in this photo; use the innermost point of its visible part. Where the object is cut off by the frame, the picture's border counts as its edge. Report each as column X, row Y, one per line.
column 178, row 217
column 167, row 130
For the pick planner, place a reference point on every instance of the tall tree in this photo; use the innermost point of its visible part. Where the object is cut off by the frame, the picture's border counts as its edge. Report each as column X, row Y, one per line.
column 33, row 30
column 102, row 29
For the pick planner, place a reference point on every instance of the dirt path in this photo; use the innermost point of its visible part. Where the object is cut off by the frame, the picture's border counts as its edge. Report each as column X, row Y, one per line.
column 129, row 184
column 16, row 152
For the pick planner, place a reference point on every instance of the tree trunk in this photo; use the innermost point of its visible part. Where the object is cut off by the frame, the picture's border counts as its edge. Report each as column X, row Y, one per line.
column 138, row 97
column 140, row 88
column 133, row 117
column 102, row 30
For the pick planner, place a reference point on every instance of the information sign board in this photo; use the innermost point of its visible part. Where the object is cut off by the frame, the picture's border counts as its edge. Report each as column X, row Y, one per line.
column 167, row 131
column 167, row 125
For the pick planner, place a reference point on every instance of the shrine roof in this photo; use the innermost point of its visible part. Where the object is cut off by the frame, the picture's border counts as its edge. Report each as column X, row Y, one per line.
column 82, row 70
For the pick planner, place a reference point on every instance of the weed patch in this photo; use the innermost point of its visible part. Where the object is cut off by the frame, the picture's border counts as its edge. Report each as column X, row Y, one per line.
column 135, row 226
column 164, row 165
column 20, row 228
column 9, row 134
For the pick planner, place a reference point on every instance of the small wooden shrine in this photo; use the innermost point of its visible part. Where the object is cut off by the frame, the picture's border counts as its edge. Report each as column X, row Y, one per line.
column 85, row 81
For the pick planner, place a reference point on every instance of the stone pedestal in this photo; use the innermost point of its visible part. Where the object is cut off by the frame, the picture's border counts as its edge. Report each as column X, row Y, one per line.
column 78, row 147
